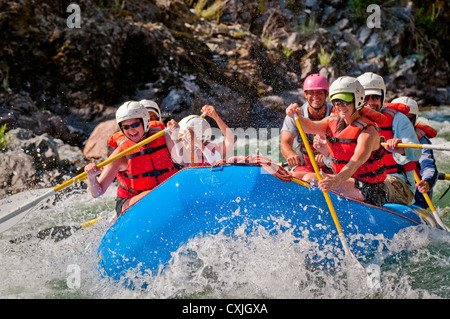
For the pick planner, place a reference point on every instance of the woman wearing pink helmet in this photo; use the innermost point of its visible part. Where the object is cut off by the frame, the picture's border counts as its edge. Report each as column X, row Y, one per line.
column 315, row 88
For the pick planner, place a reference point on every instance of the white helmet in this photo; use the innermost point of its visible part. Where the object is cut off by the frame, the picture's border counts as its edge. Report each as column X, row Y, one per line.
column 152, row 107
column 348, row 84
column 199, row 125
column 413, row 107
column 373, row 84
column 132, row 110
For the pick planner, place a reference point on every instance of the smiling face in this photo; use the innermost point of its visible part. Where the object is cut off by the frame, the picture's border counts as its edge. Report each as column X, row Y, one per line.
column 373, row 101
column 153, row 116
column 316, row 98
column 344, row 109
column 133, row 129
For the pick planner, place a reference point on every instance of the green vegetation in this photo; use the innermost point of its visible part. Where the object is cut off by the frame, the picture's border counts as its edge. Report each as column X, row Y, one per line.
column 390, row 63
column 426, row 17
column 359, row 7
column 214, row 11
column 287, row 52
column 358, row 55
column 324, row 57
column 118, row 6
column 239, row 34
column 309, row 26
column 261, row 8
column 432, row 29
column 267, row 41
column 3, row 137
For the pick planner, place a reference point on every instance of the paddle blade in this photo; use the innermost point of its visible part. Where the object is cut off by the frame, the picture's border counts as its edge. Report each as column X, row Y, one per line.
column 12, row 209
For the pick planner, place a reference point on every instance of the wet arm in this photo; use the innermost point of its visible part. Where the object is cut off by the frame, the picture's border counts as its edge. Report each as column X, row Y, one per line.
column 98, row 186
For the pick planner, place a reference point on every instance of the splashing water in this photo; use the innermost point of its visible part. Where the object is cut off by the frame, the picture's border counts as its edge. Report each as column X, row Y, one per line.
column 414, row 264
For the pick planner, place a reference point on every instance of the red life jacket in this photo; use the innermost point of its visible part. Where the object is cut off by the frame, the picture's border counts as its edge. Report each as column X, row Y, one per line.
column 421, row 131
column 386, row 132
column 424, row 130
column 148, row 166
column 117, row 139
column 373, row 115
column 342, row 145
column 399, row 107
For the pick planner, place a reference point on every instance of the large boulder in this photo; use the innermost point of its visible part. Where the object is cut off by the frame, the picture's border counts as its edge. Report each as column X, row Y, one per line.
column 30, row 161
column 97, row 144
column 18, row 172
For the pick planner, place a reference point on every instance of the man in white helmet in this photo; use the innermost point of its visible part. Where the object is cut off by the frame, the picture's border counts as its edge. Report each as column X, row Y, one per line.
column 426, row 167
column 142, row 169
column 153, row 109
column 195, row 133
column 353, row 142
column 400, row 162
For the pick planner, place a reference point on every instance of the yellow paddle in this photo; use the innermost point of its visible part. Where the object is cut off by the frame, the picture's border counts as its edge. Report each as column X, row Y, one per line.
column 430, row 204
column 56, row 233
column 91, row 222
column 417, row 179
column 325, row 193
column 10, row 219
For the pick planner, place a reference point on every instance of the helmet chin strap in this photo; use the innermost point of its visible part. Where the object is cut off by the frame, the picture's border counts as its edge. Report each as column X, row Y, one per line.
column 317, row 108
column 355, row 113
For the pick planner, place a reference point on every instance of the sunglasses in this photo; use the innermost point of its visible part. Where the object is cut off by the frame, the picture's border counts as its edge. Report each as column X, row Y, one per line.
column 341, row 102
column 134, row 125
column 373, row 97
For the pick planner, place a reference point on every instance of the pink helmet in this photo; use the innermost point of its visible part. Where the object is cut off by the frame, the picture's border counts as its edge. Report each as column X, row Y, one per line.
column 316, row 82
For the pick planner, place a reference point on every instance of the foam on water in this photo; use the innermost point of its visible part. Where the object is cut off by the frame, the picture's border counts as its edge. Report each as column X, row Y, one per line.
column 414, row 264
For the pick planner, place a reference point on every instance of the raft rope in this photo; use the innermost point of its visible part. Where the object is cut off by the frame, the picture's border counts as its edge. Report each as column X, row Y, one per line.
column 262, row 161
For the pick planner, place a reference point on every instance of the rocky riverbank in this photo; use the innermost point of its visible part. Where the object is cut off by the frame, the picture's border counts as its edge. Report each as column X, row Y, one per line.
column 247, row 58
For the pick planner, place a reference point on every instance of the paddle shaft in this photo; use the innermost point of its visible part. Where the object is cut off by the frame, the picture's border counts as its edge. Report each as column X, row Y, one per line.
column 424, row 146
column 319, row 178
column 430, row 204
column 83, row 175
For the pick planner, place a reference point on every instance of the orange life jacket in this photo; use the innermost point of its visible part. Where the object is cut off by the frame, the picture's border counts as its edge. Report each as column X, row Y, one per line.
column 386, row 132
column 148, row 166
column 117, row 139
column 399, row 107
column 342, row 146
column 371, row 114
column 421, row 131
column 424, row 130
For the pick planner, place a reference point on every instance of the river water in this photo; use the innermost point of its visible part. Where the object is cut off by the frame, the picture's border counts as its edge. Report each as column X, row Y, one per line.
column 414, row 265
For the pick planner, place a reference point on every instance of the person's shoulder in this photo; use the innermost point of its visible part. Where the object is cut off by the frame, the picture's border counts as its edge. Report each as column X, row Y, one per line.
column 400, row 116
column 288, row 123
column 402, row 122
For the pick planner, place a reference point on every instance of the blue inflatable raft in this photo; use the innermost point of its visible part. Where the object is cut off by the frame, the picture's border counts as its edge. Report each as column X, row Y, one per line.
column 201, row 201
